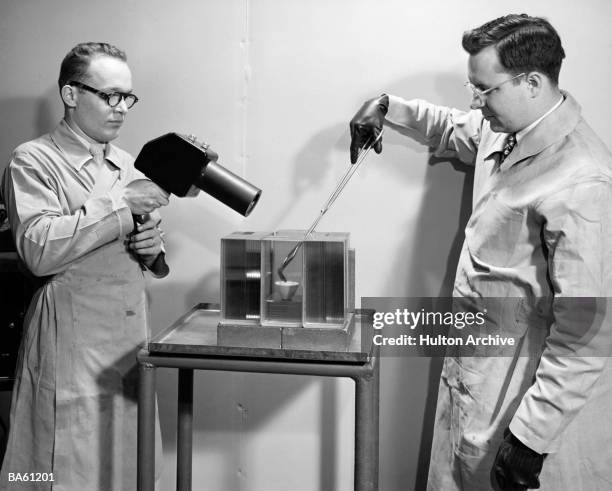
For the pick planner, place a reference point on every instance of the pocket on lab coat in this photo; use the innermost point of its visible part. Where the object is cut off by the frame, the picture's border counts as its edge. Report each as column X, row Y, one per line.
column 464, row 385
column 533, row 313
column 464, row 408
column 94, row 318
column 134, row 322
column 504, row 321
column 492, row 232
column 473, row 400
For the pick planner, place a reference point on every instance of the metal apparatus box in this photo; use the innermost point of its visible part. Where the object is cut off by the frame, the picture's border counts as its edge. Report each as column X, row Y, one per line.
column 308, row 305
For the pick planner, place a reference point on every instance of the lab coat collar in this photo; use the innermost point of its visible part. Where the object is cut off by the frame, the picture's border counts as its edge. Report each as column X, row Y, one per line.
column 554, row 127
column 76, row 148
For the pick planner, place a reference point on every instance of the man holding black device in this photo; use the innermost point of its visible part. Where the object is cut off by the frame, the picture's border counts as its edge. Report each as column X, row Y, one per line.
column 71, row 197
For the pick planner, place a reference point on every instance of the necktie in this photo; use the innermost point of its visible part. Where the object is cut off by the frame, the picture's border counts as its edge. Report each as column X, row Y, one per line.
column 97, row 152
column 97, row 168
column 510, row 143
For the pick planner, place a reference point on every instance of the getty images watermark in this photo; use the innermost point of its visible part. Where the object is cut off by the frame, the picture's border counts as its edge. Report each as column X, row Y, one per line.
column 423, row 326
column 415, row 321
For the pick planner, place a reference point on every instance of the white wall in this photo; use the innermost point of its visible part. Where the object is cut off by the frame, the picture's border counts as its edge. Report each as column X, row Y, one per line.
column 272, row 86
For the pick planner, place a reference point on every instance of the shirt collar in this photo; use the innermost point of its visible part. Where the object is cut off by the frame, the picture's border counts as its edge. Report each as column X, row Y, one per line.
column 524, row 131
column 562, row 117
column 76, row 148
column 556, row 126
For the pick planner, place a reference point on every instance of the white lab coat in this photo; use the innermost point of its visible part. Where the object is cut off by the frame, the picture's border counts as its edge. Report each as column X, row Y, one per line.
column 74, row 406
column 540, row 236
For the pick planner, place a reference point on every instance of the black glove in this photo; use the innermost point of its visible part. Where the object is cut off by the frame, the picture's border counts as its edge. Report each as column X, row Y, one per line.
column 516, row 466
column 367, row 124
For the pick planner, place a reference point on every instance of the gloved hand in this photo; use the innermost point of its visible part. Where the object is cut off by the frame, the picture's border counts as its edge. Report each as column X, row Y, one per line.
column 367, row 124
column 516, row 466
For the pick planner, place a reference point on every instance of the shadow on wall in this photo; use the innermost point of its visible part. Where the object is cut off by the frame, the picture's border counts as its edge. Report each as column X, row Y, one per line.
column 311, row 165
column 26, row 119
column 203, row 220
column 431, row 201
column 313, row 161
column 447, row 89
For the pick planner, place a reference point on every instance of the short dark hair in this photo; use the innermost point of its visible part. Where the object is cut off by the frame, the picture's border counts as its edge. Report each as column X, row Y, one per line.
column 76, row 62
column 523, row 44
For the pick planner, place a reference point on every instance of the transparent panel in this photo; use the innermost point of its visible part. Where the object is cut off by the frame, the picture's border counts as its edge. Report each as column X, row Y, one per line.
column 325, row 282
column 241, row 278
column 282, row 291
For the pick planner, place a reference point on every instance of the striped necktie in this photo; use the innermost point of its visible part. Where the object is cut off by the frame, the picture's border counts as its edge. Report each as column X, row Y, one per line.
column 510, row 143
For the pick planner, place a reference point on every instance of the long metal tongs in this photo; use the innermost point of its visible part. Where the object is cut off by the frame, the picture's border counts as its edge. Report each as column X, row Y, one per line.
column 330, row 201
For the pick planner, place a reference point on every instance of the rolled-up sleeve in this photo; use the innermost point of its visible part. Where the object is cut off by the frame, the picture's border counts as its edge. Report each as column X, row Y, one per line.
column 49, row 237
column 448, row 132
column 578, row 238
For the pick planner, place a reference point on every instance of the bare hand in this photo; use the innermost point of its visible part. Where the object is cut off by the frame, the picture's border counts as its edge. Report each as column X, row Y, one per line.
column 147, row 239
column 144, row 196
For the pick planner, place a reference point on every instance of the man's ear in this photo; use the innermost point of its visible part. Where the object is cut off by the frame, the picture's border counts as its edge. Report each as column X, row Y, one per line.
column 535, row 80
column 69, row 95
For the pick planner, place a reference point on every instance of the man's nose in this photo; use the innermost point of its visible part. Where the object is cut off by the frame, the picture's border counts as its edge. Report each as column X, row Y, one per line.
column 477, row 102
column 122, row 106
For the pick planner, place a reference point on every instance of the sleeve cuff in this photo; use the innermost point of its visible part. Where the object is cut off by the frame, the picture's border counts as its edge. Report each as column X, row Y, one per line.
column 531, row 440
column 122, row 210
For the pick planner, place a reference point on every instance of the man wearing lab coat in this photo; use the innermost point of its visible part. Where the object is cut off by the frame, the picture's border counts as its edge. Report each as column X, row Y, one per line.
column 538, row 253
column 72, row 196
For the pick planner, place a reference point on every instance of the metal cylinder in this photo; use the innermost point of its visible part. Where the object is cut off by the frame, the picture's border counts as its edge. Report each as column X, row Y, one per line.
column 228, row 188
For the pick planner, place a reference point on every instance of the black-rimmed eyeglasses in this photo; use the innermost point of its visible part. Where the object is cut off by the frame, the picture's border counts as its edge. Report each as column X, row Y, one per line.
column 112, row 99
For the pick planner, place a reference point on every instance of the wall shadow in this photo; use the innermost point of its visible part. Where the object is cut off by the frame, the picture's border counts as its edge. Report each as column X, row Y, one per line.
column 312, row 164
column 427, row 235
column 437, row 208
column 26, row 119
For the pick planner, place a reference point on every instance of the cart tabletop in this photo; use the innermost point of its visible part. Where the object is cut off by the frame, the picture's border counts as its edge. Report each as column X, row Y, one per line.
column 195, row 334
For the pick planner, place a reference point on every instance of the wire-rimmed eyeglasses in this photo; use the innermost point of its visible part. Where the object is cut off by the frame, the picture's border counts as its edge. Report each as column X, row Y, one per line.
column 477, row 93
column 112, row 99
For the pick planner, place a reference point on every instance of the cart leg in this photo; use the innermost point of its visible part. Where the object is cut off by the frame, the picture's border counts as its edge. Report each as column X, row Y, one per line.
column 145, row 470
column 184, row 430
column 366, row 430
column 376, row 420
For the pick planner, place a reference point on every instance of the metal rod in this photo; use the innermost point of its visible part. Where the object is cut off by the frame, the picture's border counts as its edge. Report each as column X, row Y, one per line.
column 367, row 397
column 145, row 466
column 364, row 429
column 184, row 433
column 367, row 401
column 376, row 419
column 351, row 370
column 330, row 201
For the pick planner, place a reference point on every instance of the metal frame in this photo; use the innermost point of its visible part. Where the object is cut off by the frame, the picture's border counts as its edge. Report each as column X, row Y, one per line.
column 367, row 381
